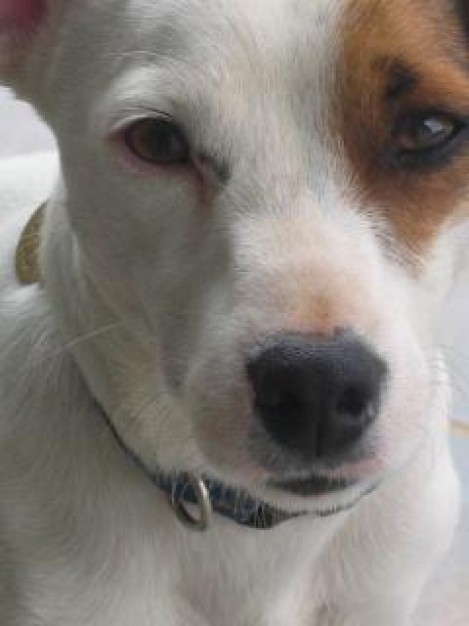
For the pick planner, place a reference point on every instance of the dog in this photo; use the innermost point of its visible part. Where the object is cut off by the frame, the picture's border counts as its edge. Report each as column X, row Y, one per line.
column 222, row 397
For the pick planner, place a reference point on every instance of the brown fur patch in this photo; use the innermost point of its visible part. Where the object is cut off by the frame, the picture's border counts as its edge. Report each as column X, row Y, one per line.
column 398, row 57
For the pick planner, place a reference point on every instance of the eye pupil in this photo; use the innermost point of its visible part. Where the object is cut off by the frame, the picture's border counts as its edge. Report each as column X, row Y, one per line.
column 432, row 129
column 159, row 142
column 431, row 132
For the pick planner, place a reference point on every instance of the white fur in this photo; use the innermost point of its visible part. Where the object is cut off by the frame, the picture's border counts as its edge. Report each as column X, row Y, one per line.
column 150, row 300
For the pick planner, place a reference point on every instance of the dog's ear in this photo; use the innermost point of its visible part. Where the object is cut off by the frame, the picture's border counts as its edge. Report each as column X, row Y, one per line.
column 24, row 37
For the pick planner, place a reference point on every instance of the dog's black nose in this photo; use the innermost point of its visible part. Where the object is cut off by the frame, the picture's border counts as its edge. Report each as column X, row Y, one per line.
column 317, row 395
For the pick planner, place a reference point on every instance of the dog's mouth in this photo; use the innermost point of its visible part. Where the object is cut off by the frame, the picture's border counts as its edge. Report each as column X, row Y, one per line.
column 313, row 485
column 317, row 486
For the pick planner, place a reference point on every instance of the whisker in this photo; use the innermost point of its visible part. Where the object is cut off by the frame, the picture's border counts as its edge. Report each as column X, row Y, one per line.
column 459, row 380
column 451, row 353
column 130, row 54
column 77, row 341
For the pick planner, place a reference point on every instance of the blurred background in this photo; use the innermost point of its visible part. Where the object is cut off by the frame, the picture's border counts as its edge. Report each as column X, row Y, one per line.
column 447, row 601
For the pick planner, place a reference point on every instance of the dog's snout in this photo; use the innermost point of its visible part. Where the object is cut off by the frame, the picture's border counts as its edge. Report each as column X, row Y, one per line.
column 316, row 396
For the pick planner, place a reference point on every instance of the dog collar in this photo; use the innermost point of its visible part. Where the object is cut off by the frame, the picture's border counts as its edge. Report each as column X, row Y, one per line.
column 208, row 495
column 27, row 264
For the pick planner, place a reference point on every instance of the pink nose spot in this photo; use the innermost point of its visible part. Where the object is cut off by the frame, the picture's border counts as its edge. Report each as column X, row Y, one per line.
column 21, row 13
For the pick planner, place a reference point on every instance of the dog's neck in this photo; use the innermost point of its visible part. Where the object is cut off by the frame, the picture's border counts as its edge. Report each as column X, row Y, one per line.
column 78, row 311
column 120, row 367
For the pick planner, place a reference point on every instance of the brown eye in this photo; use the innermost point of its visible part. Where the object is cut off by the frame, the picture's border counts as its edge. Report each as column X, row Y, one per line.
column 427, row 133
column 427, row 139
column 158, row 141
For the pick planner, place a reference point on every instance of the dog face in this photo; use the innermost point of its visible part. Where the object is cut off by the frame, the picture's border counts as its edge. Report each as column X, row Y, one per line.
column 265, row 194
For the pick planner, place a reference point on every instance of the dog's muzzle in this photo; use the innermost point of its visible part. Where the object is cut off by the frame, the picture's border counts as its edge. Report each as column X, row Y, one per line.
column 184, row 491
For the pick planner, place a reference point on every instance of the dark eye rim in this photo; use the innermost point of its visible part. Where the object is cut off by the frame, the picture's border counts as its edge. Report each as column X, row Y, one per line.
column 165, row 120
column 432, row 156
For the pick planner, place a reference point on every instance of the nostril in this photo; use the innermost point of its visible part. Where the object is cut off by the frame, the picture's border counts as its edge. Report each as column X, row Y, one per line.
column 353, row 402
column 285, row 405
column 279, row 406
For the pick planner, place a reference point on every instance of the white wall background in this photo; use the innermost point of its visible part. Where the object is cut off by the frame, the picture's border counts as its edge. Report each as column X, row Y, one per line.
column 20, row 129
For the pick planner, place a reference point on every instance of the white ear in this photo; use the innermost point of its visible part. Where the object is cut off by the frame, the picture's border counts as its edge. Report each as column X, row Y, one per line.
column 23, row 26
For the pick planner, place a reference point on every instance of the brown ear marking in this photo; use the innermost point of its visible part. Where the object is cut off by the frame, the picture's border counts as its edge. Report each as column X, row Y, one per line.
column 399, row 57
column 462, row 13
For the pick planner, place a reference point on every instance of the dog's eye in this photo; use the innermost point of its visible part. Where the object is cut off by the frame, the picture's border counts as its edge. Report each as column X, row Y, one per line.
column 158, row 141
column 427, row 133
column 426, row 138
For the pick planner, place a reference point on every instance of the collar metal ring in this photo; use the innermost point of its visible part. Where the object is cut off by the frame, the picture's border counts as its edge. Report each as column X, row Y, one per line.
column 202, row 522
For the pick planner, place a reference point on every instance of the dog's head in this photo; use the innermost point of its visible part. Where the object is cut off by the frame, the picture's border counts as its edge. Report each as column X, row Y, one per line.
column 265, row 194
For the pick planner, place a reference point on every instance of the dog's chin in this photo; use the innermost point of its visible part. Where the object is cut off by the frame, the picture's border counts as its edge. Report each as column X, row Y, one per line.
column 321, row 496
column 312, row 493
column 312, row 486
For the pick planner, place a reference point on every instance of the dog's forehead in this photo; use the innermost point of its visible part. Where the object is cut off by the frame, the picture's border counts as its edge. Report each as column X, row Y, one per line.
column 269, row 22
column 235, row 63
column 304, row 71
column 221, row 38
column 270, row 45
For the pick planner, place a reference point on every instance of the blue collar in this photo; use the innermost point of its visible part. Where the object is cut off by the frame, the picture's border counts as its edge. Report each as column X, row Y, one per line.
column 229, row 502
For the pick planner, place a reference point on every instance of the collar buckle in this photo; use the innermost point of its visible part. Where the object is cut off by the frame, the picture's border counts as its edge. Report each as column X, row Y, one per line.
column 202, row 496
